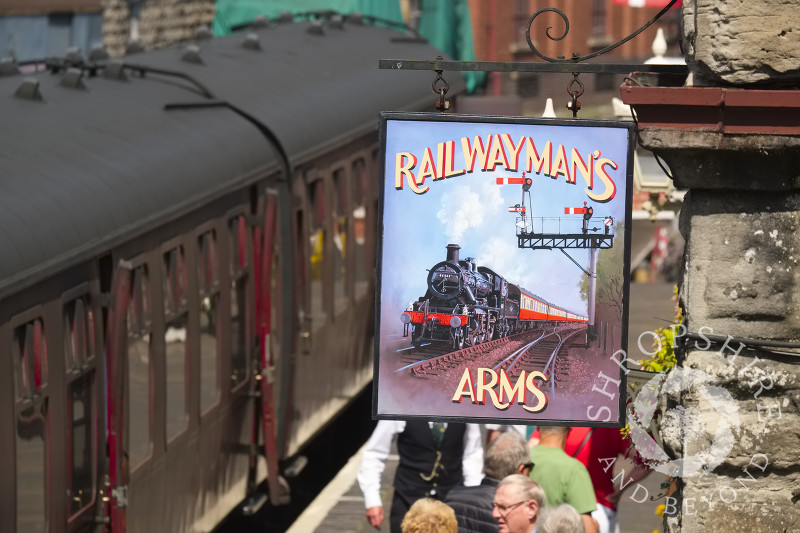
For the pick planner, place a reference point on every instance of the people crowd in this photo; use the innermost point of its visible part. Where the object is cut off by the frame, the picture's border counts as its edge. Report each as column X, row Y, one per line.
column 549, row 479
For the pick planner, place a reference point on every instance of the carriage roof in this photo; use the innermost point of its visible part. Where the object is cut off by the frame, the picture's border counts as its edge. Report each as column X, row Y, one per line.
column 84, row 169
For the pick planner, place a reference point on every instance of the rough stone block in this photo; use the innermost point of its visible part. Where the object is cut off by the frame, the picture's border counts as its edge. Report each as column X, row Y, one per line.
column 721, row 505
column 742, row 42
column 757, row 398
column 741, row 268
column 763, row 396
column 756, row 485
column 703, row 159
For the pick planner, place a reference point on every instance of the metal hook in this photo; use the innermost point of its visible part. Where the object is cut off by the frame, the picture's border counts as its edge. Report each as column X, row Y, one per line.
column 441, row 104
column 574, row 104
column 443, row 89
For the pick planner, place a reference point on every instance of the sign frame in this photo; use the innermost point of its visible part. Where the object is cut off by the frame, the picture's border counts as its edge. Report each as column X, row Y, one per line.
column 615, row 382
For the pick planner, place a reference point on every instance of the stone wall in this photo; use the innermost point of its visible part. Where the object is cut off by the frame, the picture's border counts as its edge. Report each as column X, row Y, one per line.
column 741, row 278
column 757, row 486
column 752, row 42
column 161, row 22
column 741, row 274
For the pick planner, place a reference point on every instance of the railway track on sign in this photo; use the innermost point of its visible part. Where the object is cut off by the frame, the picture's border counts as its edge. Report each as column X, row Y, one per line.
column 527, row 351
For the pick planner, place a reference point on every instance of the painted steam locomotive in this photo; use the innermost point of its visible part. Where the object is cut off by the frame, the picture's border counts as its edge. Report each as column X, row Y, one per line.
column 467, row 304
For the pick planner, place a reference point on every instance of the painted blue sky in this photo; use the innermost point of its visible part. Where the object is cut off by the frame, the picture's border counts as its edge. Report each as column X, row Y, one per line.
column 471, row 210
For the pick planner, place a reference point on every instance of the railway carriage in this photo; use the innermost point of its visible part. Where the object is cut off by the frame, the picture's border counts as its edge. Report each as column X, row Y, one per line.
column 556, row 314
column 532, row 307
column 188, row 243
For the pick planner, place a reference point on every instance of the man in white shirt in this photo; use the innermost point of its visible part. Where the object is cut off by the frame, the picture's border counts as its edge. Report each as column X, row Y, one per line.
column 434, row 457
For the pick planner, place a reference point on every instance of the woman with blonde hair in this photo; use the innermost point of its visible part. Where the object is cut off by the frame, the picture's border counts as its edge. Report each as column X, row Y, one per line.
column 429, row 516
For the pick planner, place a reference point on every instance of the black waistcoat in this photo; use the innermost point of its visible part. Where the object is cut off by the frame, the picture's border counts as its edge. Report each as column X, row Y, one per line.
column 424, row 469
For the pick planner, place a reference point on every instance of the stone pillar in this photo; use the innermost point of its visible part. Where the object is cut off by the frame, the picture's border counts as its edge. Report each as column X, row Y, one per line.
column 733, row 139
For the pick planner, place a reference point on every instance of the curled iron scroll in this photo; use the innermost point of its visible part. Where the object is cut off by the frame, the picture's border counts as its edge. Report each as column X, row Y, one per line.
column 575, row 56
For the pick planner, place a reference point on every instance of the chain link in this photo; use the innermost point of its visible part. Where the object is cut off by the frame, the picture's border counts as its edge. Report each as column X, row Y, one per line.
column 574, row 105
column 440, row 87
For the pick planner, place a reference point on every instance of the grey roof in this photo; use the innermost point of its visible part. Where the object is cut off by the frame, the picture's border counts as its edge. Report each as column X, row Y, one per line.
column 314, row 91
column 83, row 170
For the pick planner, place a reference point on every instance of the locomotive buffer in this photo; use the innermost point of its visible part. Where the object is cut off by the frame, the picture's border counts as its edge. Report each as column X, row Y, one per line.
column 565, row 241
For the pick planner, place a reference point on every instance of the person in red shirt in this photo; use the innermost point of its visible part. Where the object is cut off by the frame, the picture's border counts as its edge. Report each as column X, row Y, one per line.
column 598, row 449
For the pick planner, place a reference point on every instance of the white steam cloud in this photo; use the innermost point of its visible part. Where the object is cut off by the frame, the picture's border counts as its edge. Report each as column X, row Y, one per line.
column 466, row 208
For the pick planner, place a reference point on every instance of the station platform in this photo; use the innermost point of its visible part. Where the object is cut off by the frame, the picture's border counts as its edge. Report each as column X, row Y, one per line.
column 340, row 506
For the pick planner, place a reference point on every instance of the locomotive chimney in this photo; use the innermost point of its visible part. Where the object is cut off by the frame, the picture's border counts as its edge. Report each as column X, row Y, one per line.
column 452, row 253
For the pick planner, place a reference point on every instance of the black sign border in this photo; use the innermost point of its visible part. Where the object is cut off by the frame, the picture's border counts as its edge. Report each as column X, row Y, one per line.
column 386, row 116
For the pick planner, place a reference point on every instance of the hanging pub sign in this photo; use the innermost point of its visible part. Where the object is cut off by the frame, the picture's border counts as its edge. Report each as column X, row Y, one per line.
column 503, row 263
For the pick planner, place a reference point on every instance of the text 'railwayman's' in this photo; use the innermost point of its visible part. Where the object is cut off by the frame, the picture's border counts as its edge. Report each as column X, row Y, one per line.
column 501, row 150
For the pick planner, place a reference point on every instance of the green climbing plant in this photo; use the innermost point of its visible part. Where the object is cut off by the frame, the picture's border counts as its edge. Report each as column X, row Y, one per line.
column 664, row 359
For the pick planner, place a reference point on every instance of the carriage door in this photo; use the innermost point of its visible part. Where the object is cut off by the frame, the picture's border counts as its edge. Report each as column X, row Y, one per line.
column 32, row 421
column 311, row 299
column 124, row 290
column 83, row 407
column 269, row 320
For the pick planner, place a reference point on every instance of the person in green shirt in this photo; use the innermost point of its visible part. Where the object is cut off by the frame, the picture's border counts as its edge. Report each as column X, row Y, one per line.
column 563, row 478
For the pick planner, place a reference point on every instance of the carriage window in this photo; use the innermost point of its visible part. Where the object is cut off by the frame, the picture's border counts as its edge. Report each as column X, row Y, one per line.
column 208, row 264
column 30, row 356
column 316, row 242
column 175, row 281
column 208, row 285
column 317, row 200
column 239, row 263
column 30, row 362
column 376, row 167
column 340, row 239
column 359, row 184
column 79, row 340
column 341, row 198
column 139, row 372
column 360, row 197
column 275, row 307
column 79, row 353
column 300, row 258
column 81, row 442
column 239, row 257
column 23, row 362
column 176, row 317
column 370, row 248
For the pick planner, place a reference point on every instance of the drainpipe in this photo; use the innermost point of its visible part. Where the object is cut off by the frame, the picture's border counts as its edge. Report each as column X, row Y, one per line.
column 493, row 46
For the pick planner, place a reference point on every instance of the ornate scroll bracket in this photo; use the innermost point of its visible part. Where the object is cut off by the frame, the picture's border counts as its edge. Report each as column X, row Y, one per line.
column 576, row 57
column 576, row 63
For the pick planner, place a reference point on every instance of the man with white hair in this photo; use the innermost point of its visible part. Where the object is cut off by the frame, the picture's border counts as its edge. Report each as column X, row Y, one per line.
column 560, row 519
column 517, row 503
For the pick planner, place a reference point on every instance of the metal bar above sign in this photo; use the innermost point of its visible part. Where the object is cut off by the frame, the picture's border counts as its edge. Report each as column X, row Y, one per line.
column 526, row 66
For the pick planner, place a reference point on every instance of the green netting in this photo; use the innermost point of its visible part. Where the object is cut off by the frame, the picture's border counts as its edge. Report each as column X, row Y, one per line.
column 447, row 25
column 444, row 23
column 233, row 13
